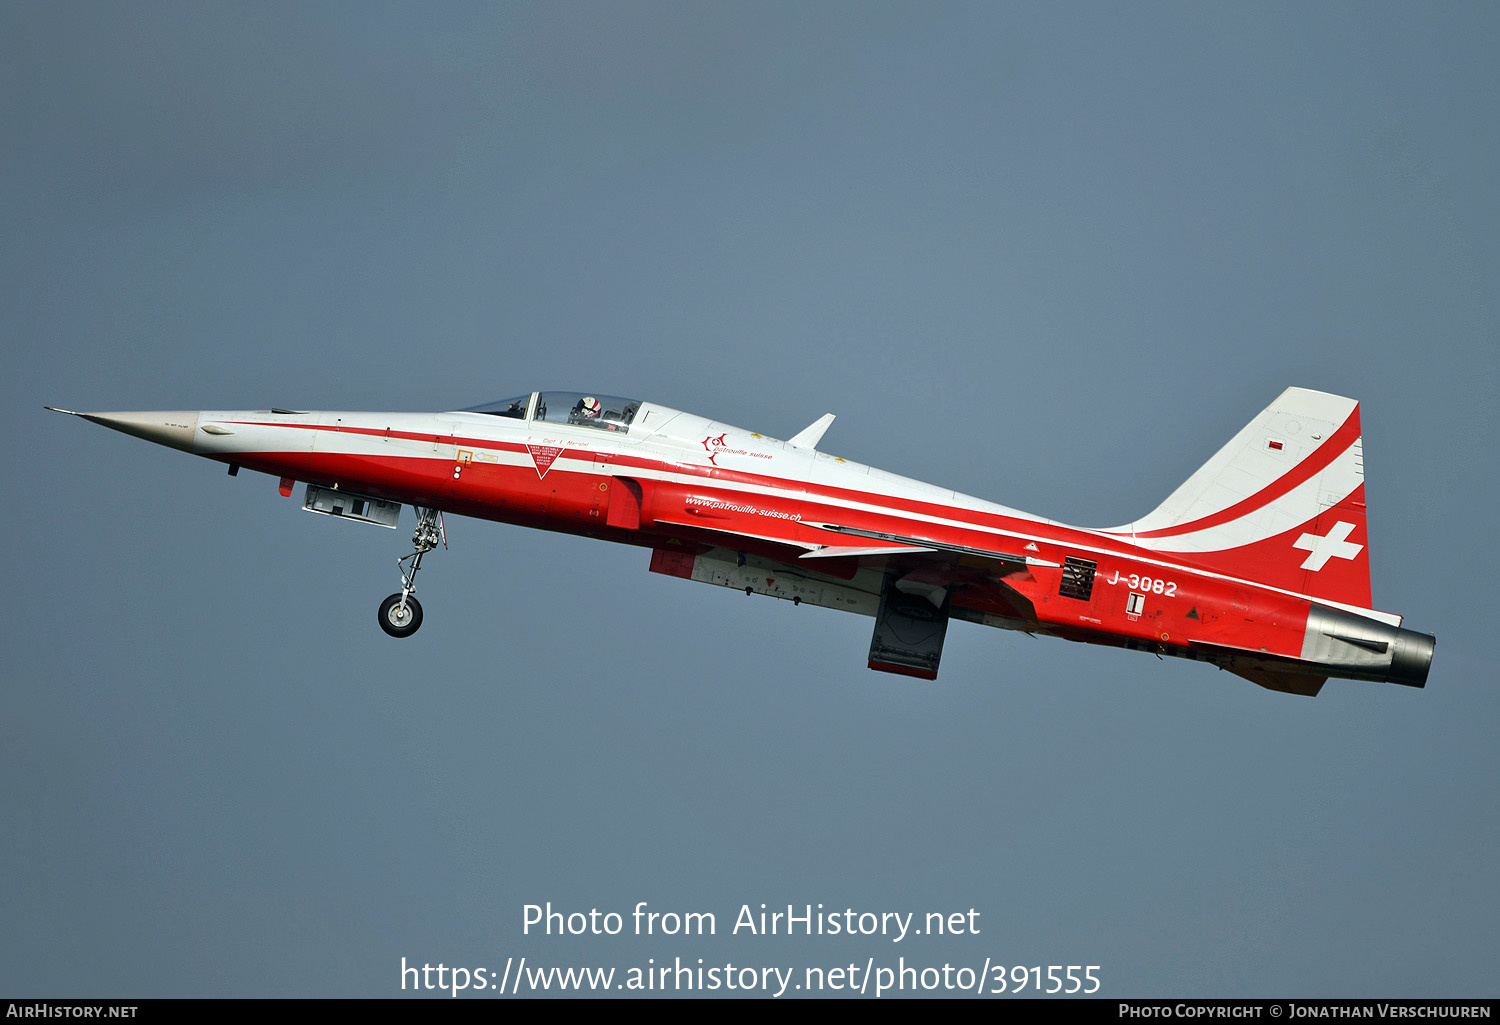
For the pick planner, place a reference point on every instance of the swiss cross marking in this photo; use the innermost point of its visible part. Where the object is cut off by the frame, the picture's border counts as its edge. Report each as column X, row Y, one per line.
column 1330, row 546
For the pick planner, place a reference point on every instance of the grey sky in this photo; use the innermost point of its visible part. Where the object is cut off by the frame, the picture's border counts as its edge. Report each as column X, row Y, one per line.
column 1050, row 255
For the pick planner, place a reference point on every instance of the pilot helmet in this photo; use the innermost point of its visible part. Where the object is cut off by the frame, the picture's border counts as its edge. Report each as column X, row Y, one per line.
column 590, row 407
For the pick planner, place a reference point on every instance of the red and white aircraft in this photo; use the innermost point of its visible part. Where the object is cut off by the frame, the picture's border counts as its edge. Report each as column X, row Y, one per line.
column 1258, row 564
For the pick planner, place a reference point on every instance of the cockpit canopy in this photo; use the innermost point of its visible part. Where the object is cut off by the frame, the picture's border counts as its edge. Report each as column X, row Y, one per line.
column 515, row 408
column 581, row 409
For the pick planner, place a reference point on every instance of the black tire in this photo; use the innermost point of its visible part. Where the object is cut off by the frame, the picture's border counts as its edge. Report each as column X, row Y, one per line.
column 391, row 620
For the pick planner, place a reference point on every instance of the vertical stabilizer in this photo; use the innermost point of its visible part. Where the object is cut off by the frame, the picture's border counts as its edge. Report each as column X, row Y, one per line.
column 1283, row 503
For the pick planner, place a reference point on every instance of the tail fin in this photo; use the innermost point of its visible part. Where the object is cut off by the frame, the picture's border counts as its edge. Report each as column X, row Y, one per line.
column 1283, row 503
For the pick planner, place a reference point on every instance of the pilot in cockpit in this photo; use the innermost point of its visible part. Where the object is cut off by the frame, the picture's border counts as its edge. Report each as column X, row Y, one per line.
column 586, row 411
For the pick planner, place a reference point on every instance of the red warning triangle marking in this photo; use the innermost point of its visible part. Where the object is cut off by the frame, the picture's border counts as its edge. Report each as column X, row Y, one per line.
column 543, row 456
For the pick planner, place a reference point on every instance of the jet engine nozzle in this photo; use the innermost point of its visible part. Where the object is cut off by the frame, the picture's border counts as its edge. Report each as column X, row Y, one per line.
column 1412, row 658
column 1359, row 648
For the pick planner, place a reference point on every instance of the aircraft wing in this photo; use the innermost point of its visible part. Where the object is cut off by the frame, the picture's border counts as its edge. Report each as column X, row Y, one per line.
column 853, row 552
column 920, row 544
column 730, row 535
column 895, row 544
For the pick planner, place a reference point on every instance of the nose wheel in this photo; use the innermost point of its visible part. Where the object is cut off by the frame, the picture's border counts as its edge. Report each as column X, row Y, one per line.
column 401, row 613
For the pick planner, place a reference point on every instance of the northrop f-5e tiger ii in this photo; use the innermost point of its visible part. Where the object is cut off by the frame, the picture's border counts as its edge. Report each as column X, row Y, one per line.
column 1258, row 564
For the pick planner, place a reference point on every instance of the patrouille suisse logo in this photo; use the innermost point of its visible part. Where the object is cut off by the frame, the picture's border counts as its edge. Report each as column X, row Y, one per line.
column 714, row 447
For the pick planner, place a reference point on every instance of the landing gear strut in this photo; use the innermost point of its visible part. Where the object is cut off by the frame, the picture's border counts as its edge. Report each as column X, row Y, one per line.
column 401, row 614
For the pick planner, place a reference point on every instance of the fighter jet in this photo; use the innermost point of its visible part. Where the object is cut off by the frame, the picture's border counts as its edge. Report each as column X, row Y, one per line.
column 1258, row 564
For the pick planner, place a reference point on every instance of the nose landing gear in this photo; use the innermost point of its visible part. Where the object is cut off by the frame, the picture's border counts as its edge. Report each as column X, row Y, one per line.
column 401, row 614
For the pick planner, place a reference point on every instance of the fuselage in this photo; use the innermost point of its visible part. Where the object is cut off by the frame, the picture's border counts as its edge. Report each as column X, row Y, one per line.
column 726, row 505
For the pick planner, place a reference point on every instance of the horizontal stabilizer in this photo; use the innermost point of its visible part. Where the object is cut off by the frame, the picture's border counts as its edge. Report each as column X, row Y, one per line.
column 1285, row 683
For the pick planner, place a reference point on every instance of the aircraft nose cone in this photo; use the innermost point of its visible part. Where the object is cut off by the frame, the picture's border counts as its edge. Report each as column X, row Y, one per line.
column 172, row 428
